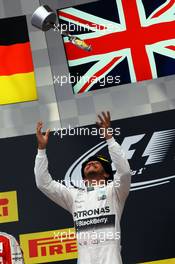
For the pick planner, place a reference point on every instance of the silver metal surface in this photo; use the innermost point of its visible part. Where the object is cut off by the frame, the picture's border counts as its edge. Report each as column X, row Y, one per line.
column 44, row 18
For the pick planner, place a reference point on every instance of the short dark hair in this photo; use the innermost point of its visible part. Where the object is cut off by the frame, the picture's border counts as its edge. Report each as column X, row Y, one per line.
column 106, row 164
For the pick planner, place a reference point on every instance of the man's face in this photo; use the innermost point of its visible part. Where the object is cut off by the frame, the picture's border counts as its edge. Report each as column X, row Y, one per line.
column 93, row 168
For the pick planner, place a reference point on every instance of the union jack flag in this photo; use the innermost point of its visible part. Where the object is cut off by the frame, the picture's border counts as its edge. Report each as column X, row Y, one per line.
column 133, row 39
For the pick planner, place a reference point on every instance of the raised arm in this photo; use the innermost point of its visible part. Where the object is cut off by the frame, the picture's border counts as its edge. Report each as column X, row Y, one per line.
column 122, row 177
column 56, row 191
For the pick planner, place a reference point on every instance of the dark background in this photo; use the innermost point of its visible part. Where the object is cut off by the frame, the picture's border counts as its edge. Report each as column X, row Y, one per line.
column 148, row 220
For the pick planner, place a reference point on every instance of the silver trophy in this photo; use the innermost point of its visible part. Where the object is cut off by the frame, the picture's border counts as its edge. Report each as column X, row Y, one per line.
column 45, row 18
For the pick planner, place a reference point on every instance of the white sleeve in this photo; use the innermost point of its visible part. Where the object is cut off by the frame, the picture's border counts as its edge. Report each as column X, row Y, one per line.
column 122, row 177
column 56, row 191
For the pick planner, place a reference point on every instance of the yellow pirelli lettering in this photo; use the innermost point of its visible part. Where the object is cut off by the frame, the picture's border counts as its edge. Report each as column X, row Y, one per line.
column 44, row 247
column 8, row 207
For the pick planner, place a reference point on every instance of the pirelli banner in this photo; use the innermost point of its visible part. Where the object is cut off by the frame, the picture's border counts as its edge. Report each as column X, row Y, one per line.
column 147, row 225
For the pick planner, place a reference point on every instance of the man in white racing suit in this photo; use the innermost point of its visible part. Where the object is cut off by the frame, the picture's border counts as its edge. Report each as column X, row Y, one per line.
column 97, row 208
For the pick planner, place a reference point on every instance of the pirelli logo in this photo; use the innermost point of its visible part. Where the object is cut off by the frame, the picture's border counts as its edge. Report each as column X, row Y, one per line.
column 8, row 207
column 44, row 247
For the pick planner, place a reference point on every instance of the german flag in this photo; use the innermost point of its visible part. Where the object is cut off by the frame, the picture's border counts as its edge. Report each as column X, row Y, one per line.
column 17, row 81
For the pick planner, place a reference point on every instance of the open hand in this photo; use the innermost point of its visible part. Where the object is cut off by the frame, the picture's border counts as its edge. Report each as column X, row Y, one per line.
column 105, row 123
column 42, row 138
